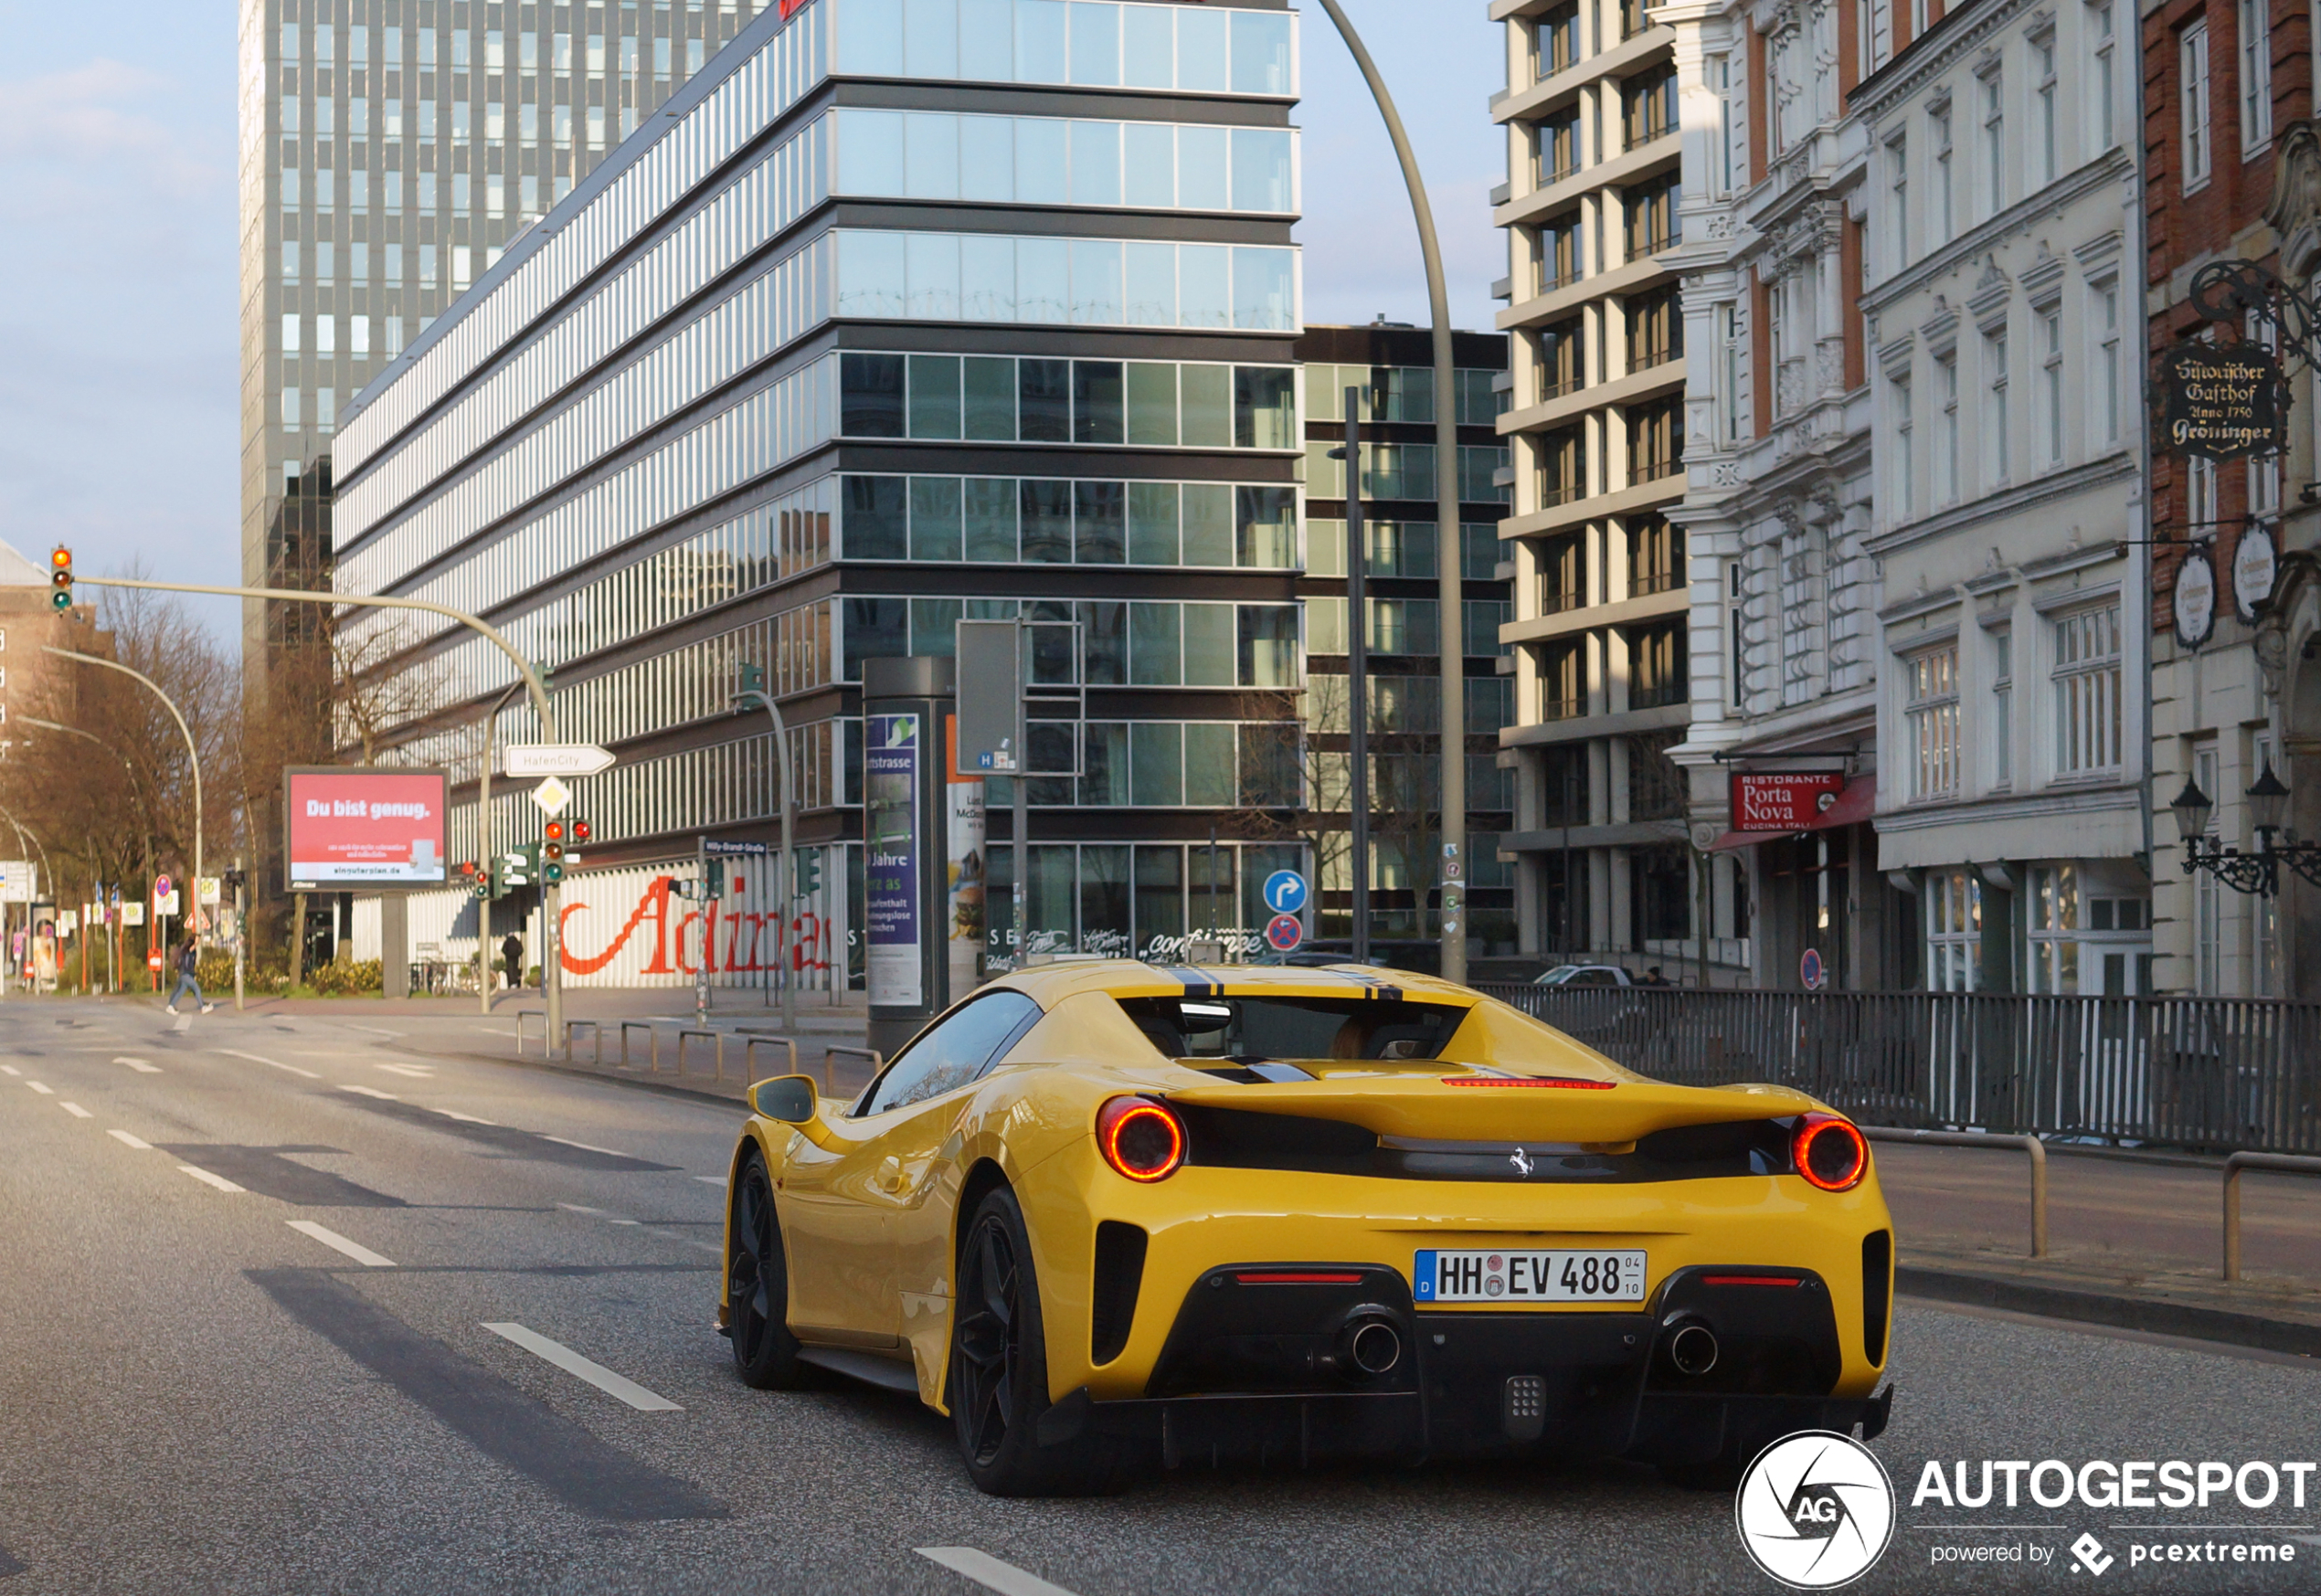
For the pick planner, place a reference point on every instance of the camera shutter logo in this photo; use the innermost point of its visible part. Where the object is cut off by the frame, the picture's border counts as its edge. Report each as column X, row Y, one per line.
column 1814, row 1510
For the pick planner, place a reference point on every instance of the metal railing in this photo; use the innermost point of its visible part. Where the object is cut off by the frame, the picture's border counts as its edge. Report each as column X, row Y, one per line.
column 2263, row 1164
column 2219, row 1073
column 1976, row 1138
column 876, row 1063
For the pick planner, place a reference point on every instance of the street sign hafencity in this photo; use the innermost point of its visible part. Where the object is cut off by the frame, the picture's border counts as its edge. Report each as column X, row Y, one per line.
column 528, row 759
column 552, row 795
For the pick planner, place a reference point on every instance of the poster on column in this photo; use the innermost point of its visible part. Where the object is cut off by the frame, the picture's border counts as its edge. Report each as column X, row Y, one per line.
column 964, row 801
column 890, row 863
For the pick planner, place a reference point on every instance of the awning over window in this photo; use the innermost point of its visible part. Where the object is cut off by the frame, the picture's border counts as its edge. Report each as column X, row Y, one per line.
column 1854, row 804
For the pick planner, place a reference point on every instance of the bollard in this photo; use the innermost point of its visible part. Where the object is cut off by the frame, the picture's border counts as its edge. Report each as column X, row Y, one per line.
column 520, row 1016
column 626, row 1027
column 2234, row 1167
column 749, row 1056
column 876, row 1063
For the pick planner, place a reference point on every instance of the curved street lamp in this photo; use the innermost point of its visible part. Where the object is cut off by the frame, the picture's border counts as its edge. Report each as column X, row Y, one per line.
column 191, row 751
column 2257, row 872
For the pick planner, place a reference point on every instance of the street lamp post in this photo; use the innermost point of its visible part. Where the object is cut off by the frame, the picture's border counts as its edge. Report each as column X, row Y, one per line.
column 754, row 690
column 2257, row 873
column 192, row 750
column 483, row 834
column 1358, row 676
column 1447, row 551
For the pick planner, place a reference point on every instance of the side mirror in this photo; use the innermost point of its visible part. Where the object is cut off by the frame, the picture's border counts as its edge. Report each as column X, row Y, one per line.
column 790, row 1098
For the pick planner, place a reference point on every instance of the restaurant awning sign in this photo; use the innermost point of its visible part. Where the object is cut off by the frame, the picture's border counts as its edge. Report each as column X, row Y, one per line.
column 2222, row 401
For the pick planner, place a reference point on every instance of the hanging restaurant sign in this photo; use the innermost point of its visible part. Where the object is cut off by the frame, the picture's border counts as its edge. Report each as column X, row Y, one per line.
column 2256, row 565
column 1781, row 800
column 2220, row 401
column 2195, row 599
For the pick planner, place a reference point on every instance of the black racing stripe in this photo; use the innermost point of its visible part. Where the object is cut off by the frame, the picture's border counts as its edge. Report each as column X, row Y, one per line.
column 1196, row 985
column 500, row 1420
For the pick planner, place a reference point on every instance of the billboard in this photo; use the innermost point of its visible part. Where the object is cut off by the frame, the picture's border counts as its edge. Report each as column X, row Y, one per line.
column 349, row 827
column 1783, row 800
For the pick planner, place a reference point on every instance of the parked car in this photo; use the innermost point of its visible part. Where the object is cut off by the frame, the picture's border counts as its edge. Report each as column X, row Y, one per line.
column 1587, row 975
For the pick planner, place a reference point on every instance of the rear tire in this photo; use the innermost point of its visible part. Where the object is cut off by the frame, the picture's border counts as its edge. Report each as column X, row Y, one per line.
column 999, row 1376
column 758, row 1285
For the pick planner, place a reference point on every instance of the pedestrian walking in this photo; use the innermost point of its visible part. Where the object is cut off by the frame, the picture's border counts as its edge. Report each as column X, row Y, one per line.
column 189, row 962
column 512, row 955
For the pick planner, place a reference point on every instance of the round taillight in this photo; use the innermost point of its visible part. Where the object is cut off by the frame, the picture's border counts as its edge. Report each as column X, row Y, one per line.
column 1142, row 1139
column 1829, row 1152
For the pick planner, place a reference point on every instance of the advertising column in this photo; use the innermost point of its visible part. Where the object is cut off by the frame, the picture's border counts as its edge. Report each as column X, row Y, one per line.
column 963, row 924
column 906, row 875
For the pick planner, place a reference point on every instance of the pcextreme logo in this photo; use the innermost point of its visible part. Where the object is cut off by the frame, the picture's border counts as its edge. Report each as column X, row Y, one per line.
column 1814, row 1510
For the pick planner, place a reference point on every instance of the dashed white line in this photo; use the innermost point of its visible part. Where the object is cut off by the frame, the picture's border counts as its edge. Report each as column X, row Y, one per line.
column 584, row 1146
column 184, row 1024
column 125, row 1139
column 712, row 1180
column 368, row 1091
column 42, row 1087
column 140, row 1065
column 596, row 1374
column 374, row 1029
column 415, row 1072
column 235, row 1052
column 329, row 1238
column 12, row 1070
column 74, row 1109
column 204, row 1176
column 990, row 1572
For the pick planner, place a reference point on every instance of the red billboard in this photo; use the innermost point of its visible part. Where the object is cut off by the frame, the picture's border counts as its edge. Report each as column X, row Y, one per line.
column 353, row 826
column 1783, row 800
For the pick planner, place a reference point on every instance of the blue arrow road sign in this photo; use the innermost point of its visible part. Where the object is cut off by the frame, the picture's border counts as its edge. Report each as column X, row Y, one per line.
column 1285, row 892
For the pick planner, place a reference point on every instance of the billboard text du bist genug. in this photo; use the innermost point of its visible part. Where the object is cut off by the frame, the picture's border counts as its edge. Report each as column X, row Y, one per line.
column 354, row 828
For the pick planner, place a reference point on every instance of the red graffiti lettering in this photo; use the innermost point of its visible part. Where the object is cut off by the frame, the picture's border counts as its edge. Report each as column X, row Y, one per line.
column 654, row 903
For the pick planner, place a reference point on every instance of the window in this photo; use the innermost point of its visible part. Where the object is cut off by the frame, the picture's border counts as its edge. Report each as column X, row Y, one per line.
column 1563, row 574
column 1656, row 329
column 1898, row 189
column 2256, row 78
column 1555, row 41
column 1656, row 556
column 1562, row 467
column 2054, row 929
column 1555, row 150
column 2192, row 104
column 1943, row 197
column 1656, row 782
column 1563, row 682
column 1655, row 439
column 1647, row 106
column 1904, row 488
column 2043, row 95
column 1947, row 424
column 1994, row 144
column 2106, row 318
column 1930, row 720
column 1954, row 900
column 1652, row 219
column 1633, row 19
column 2087, row 691
column 2002, row 707
column 2200, row 493
column 1657, row 673
column 2050, row 384
column 1561, row 350
column 1731, row 379
column 1559, row 252
column 2104, row 70
column 955, row 1052
column 1997, row 441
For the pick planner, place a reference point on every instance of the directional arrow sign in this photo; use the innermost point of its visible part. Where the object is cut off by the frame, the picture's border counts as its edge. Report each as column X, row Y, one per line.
column 552, row 795
column 556, row 759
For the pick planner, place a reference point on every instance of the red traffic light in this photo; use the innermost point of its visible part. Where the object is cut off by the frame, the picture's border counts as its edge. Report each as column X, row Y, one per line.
column 555, row 831
column 467, row 867
column 579, row 832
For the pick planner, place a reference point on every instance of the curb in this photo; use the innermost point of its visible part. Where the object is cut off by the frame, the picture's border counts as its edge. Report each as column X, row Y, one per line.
column 665, row 1088
column 2121, row 1313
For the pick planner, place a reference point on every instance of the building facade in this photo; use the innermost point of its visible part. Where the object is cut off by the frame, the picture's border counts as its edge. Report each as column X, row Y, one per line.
column 2002, row 213
column 1602, row 643
column 2232, row 175
column 390, row 148
column 879, row 328
column 1392, row 367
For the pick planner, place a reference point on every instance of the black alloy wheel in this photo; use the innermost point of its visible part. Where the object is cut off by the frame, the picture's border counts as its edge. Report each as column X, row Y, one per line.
column 999, row 1371
column 758, row 1285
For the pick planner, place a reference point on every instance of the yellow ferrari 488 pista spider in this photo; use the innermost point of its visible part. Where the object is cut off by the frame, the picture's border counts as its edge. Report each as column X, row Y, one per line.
column 1105, row 1213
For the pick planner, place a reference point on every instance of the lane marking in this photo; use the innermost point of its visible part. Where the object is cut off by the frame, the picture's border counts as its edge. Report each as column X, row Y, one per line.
column 329, row 1238
column 184, row 1023
column 140, row 1065
column 235, row 1052
column 596, row 1374
column 374, row 1029
column 712, row 1180
column 584, row 1146
column 219, row 1181
column 465, row 1118
column 74, row 1109
column 582, row 1207
column 414, row 1071
column 990, row 1572
column 368, row 1091
column 127, row 1140
column 42, row 1087
column 13, row 1071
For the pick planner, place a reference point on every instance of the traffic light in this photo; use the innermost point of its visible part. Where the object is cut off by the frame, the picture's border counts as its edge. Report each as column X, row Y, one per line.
column 753, row 680
column 715, row 882
column 580, row 833
column 808, row 867
column 520, row 866
column 60, row 579
column 552, row 853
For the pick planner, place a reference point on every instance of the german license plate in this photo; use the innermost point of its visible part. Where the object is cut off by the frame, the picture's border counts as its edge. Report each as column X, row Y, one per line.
column 1441, row 1276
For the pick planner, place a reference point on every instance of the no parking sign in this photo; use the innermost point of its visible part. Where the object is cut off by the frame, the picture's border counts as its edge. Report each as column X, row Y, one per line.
column 1283, row 933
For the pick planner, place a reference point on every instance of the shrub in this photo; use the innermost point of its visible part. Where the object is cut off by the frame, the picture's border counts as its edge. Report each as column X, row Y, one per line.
column 335, row 980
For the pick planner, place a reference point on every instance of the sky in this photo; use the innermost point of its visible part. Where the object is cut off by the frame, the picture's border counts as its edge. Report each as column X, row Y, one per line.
column 119, row 385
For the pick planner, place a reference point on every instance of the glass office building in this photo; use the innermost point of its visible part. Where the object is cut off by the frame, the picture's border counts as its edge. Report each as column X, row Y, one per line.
column 390, row 151
column 900, row 311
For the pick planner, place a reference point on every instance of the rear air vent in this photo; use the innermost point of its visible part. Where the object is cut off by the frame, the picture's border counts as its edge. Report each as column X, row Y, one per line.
column 1119, row 1273
column 1877, row 1271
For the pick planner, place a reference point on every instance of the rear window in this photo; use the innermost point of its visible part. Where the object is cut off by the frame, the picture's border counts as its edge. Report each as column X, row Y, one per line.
column 1249, row 1029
